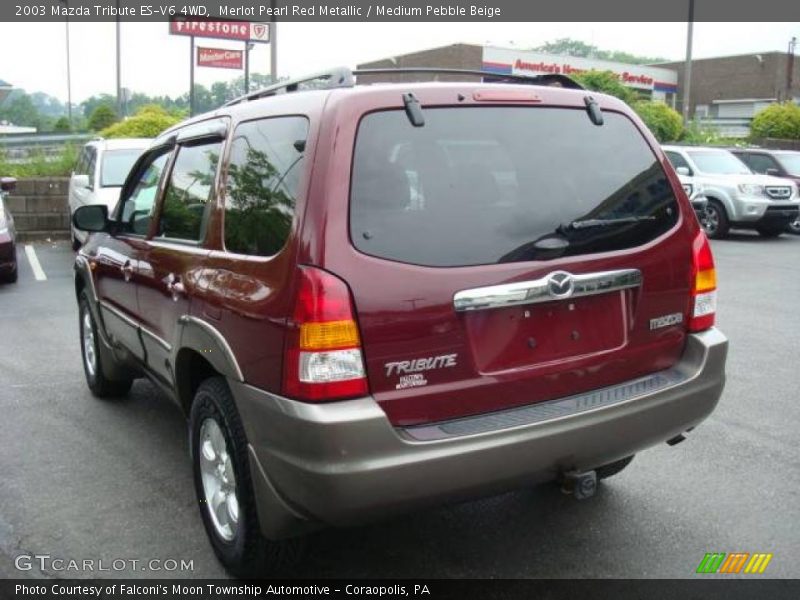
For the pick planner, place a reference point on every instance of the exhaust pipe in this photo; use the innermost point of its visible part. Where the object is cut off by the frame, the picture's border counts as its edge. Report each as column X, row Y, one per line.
column 580, row 485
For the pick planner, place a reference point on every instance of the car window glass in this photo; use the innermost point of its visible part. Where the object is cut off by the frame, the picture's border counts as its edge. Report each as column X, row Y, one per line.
column 116, row 164
column 718, row 162
column 503, row 184
column 677, row 160
column 137, row 212
column 759, row 163
column 80, row 167
column 90, row 169
column 263, row 176
column 188, row 192
column 791, row 163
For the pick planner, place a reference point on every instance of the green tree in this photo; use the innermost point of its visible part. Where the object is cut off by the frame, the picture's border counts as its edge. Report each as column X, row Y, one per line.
column 777, row 121
column 148, row 122
column 582, row 49
column 606, row 82
column 665, row 123
column 102, row 117
column 89, row 105
column 62, row 125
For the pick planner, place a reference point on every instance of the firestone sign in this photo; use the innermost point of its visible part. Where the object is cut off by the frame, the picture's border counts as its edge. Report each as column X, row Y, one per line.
column 509, row 61
column 225, row 30
column 219, row 57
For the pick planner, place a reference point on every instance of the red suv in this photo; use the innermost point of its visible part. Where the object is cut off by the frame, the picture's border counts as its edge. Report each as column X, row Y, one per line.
column 372, row 298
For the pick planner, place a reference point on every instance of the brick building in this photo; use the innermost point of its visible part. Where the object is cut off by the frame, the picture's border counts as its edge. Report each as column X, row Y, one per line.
column 731, row 87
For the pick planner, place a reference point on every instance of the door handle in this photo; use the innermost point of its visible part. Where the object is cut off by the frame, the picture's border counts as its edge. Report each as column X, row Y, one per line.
column 175, row 287
column 127, row 270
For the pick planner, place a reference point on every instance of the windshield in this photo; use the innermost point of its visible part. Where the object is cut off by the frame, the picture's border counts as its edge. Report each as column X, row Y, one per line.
column 790, row 162
column 116, row 164
column 483, row 185
column 718, row 162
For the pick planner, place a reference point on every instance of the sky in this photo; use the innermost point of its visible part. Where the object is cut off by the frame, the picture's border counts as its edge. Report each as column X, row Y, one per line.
column 156, row 63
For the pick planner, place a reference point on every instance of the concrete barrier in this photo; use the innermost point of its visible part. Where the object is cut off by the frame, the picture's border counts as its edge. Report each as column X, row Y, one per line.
column 40, row 208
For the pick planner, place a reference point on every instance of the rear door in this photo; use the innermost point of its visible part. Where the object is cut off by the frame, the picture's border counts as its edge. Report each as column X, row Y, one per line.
column 171, row 265
column 506, row 255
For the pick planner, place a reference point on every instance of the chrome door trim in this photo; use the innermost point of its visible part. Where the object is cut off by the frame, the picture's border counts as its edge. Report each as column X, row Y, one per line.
column 558, row 285
column 120, row 315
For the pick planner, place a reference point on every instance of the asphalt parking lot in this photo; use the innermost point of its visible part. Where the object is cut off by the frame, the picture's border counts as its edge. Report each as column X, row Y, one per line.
column 88, row 479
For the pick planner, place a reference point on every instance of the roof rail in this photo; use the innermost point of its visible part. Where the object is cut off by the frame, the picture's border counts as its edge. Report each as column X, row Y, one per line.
column 343, row 77
column 339, row 77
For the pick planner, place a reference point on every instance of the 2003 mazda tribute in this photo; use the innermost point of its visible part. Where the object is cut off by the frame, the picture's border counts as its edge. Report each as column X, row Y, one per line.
column 371, row 298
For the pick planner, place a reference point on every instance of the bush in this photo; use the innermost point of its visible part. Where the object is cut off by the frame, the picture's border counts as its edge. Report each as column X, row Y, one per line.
column 148, row 122
column 665, row 123
column 102, row 117
column 780, row 121
column 39, row 165
column 605, row 82
column 702, row 135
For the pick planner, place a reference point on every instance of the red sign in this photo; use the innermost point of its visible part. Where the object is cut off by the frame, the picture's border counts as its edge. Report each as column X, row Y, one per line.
column 219, row 57
column 226, row 30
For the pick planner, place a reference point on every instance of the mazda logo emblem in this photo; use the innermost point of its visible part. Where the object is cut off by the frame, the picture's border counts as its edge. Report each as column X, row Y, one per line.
column 560, row 284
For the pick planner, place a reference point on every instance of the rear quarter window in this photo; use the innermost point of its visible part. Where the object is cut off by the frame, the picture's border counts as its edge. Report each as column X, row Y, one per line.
column 484, row 185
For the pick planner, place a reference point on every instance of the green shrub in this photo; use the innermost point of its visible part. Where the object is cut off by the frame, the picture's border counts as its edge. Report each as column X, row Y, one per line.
column 102, row 117
column 702, row 135
column 780, row 121
column 665, row 123
column 605, row 82
column 39, row 165
column 148, row 122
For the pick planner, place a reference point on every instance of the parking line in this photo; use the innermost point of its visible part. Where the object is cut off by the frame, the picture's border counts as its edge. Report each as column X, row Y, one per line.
column 38, row 272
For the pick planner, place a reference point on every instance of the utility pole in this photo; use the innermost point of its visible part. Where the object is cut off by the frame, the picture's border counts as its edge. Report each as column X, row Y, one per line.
column 790, row 68
column 191, row 76
column 273, row 45
column 687, row 69
column 120, row 105
column 69, row 76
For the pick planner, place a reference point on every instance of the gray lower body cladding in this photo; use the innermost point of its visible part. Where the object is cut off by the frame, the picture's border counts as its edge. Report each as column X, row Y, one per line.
column 344, row 463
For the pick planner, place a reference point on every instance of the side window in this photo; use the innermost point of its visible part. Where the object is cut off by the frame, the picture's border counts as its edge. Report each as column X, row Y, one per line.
column 191, row 186
column 678, row 161
column 264, row 171
column 92, row 163
column 759, row 163
column 137, row 212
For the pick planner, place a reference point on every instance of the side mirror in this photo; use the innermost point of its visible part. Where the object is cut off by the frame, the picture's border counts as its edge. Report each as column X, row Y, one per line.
column 773, row 171
column 7, row 184
column 81, row 181
column 92, row 217
column 683, row 171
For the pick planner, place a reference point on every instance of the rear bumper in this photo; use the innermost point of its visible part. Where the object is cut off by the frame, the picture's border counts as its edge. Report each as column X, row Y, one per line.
column 343, row 463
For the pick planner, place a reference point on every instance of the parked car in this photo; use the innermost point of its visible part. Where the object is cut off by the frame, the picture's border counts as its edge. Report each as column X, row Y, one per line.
column 372, row 298
column 780, row 163
column 696, row 194
column 8, row 235
column 99, row 174
column 737, row 197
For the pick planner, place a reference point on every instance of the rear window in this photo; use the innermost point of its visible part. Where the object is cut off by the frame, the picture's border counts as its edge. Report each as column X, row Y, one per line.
column 483, row 185
column 116, row 165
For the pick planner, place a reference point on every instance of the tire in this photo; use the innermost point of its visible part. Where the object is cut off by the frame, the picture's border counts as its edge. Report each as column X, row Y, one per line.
column 794, row 226
column 612, row 469
column 98, row 383
column 714, row 220
column 770, row 231
column 221, row 468
column 10, row 277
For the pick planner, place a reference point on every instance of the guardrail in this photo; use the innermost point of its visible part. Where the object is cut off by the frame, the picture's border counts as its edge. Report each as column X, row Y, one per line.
column 732, row 128
column 18, row 148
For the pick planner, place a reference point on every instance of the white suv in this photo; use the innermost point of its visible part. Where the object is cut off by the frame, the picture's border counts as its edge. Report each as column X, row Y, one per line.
column 99, row 174
column 737, row 197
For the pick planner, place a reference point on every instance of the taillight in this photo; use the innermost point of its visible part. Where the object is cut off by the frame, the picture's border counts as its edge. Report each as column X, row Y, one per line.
column 704, row 285
column 323, row 358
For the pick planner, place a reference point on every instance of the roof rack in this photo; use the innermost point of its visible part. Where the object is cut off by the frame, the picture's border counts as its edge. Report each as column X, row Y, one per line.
column 343, row 77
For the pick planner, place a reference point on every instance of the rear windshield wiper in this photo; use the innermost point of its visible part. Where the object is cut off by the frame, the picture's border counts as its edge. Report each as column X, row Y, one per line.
column 587, row 223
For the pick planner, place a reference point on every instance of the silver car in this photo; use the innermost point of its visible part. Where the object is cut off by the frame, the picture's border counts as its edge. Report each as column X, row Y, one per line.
column 737, row 197
column 99, row 174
